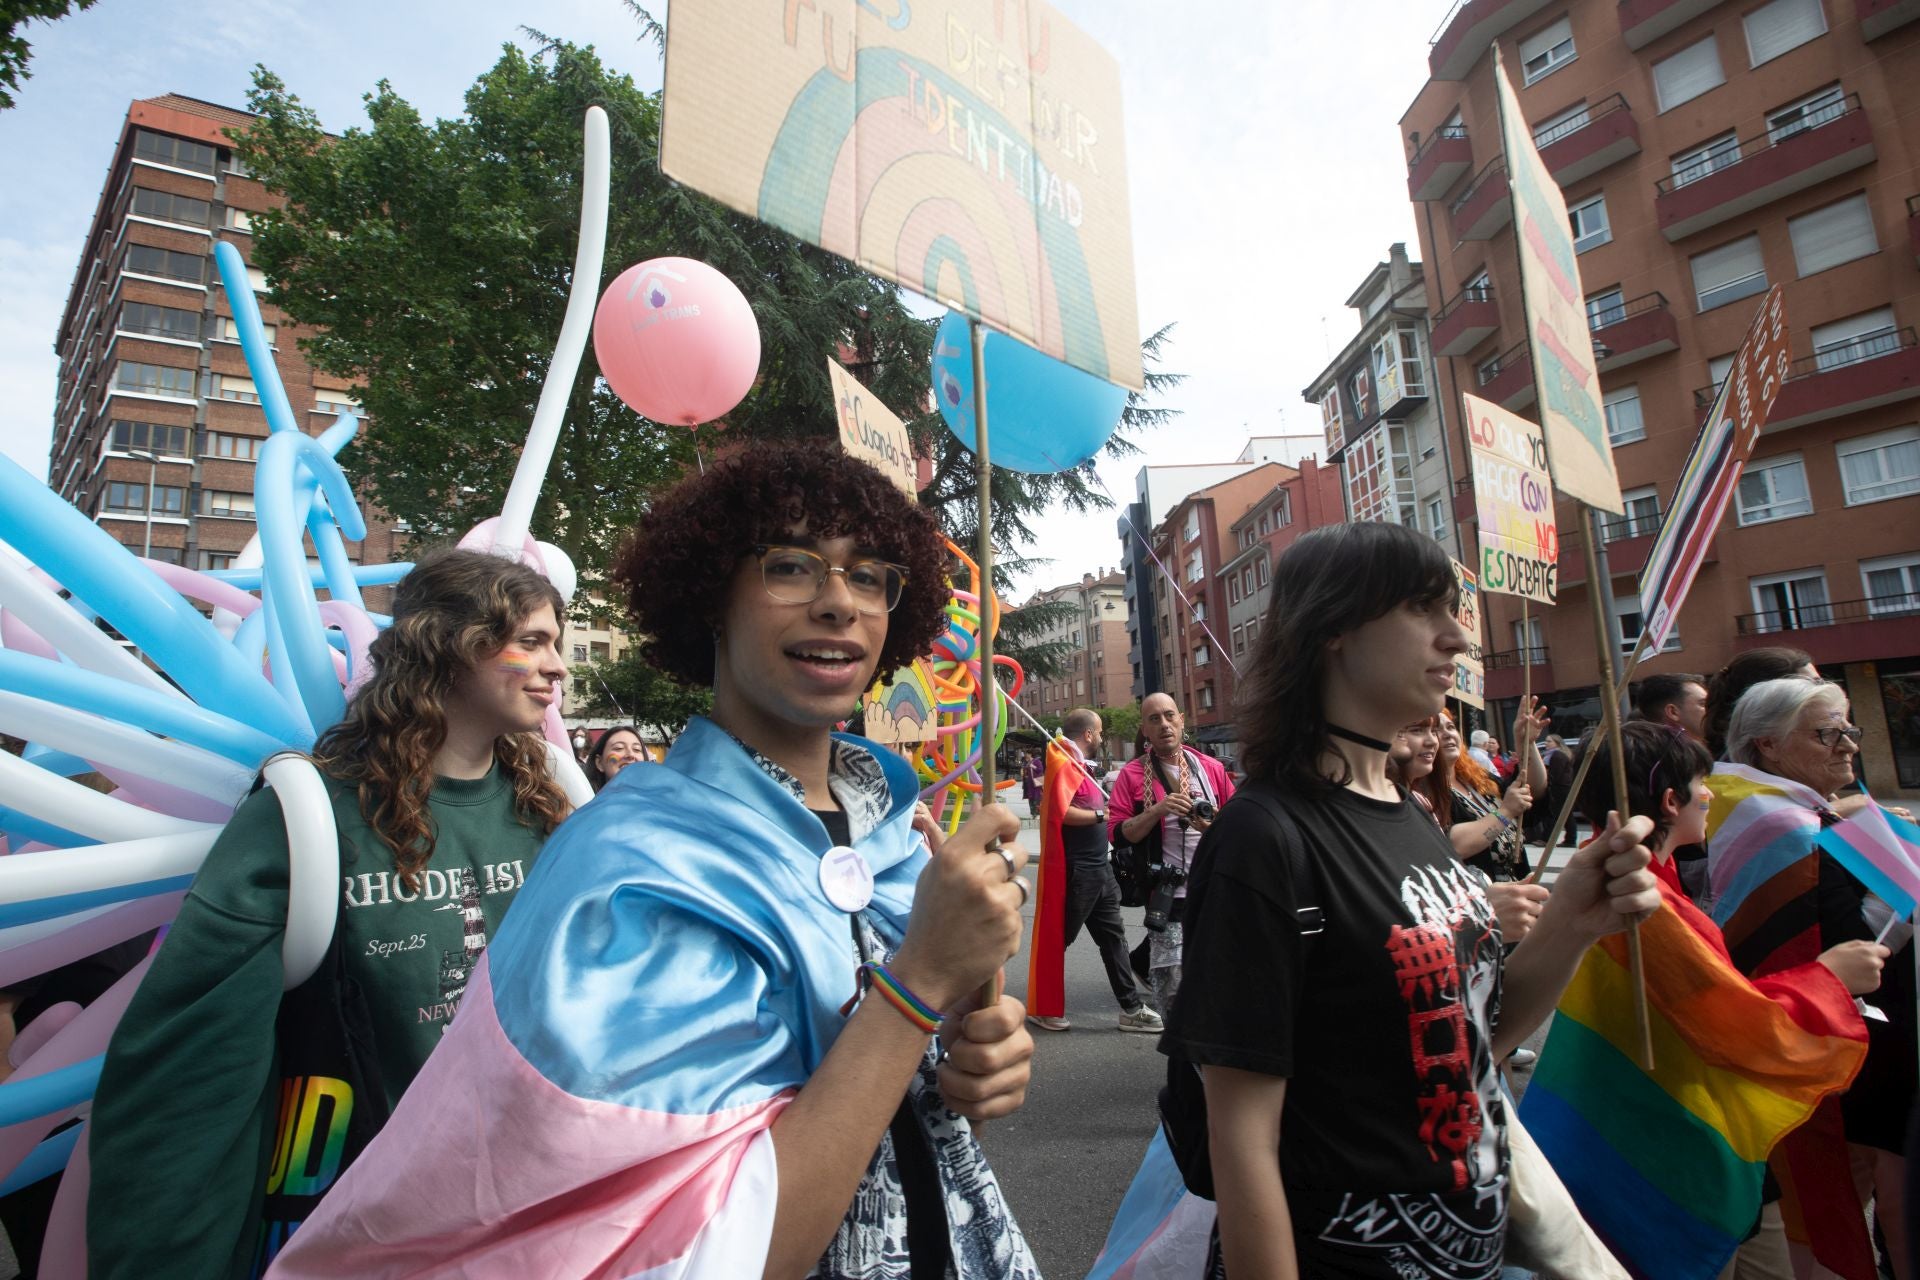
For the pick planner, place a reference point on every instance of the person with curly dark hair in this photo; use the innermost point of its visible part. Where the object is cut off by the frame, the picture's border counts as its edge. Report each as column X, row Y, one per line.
column 442, row 799
column 732, row 1028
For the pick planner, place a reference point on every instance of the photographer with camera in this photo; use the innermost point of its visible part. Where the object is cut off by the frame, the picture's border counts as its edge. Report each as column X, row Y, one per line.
column 1166, row 798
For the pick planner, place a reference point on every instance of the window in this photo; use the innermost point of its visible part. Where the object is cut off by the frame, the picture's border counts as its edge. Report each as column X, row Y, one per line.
column 1696, row 163
column 1773, row 489
column 1774, row 28
column 240, row 448
column 237, row 168
column 221, row 502
column 1194, row 571
column 163, row 322
column 150, row 260
column 1828, row 237
column 1261, row 573
column 1206, row 697
column 1547, row 50
column 1607, row 307
column 1437, row 519
column 1718, row 368
column 1283, row 512
column 1688, row 74
column 165, row 206
column 1558, row 126
column 1480, row 288
column 1233, row 588
column 1729, row 273
column 1488, row 370
column 579, row 653
column 1857, row 338
column 1330, row 423
column 1624, row 422
column 1880, row 466
column 601, row 650
column 166, row 555
column 1533, row 640
column 238, row 220
column 1641, row 517
column 1397, row 371
column 154, row 380
column 1360, row 391
column 216, row 560
column 231, row 386
column 1627, row 610
column 1239, row 641
column 168, row 500
column 150, row 437
column 1821, row 107
column 1590, row 226
column 325, row 401
column 1189, row 532
column 1265, row 524
column 230, row 331
column 177, row 153
column 1246, row 582
column 1892, row 584
column 1790, row 601
column 1199, row 615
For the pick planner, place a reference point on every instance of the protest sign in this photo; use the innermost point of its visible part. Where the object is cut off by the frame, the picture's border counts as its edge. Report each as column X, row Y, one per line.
column 1513, row 498
column 1469, row 670
column 1558, row 334
column 1712, row 471
column 900, row 709
column 971, row 150
column 870, row 431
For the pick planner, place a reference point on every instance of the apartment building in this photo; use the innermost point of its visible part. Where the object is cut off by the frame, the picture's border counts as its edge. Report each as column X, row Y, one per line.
column 158, row 423
column 1094, row 671
column 1707, row 151
column 1311, row 498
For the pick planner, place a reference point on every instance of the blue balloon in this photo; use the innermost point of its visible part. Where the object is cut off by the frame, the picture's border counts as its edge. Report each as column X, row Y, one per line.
column 57, row 1090
column 147, row 709
column 45, row 1160
column 1042, row 415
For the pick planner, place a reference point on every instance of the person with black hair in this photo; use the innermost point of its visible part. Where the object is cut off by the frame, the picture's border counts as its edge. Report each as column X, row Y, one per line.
column 1742, row 672
column 1674, row 699
column 617, row 748
column 1347, row 1015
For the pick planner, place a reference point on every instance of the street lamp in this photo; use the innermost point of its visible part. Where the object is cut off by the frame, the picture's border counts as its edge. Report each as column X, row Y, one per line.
column 153, row 468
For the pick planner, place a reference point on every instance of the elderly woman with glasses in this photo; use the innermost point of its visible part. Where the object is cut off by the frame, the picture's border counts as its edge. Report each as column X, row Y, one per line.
column 736, row 1030
column 1781, row 900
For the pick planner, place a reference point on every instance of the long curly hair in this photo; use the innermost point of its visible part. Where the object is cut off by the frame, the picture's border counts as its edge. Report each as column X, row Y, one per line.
column 1464, row 771
column 454, row 610
column 677, row 563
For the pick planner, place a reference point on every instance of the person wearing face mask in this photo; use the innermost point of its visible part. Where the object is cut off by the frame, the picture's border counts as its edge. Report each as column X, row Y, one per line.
column 618, row 747
column 442, row 800
column 736, row 1026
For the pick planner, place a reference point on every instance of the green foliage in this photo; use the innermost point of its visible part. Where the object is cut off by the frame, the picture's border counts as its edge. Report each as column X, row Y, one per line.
column 15, row 52
column 633, row 688
column 1120, row 724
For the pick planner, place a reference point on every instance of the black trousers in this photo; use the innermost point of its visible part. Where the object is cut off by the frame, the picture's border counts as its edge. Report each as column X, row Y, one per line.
column 1093, row 900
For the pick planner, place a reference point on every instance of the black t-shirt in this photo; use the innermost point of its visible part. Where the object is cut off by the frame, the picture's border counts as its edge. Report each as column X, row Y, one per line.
column 1393, row 1146
column 1506, row 857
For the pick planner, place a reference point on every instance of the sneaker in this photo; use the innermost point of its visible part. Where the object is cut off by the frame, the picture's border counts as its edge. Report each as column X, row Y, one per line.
column 1521, row 1058
column 1142, row 1020
column 1049, row 1024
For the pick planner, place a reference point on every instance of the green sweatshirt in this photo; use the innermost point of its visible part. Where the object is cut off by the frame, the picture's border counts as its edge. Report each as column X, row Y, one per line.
column 184, row 1123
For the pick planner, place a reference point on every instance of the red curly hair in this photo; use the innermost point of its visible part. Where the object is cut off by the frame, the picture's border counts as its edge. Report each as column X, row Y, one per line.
column 677, row 563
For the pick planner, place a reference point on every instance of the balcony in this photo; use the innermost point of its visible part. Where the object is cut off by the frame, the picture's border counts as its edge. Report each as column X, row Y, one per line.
column 1483, row 208
column 1627, row 538
column 1468, row 31
column 1581, row 148
column 1881, row 368
column 1877, row 17
column 1644, row 21
column 1439, row 162
column 1507, row 673
column 1507, row 379
column 1746, row 175
column 1844, row 631
column 1636, row 330
column 1913, row 225
column 1465, row 322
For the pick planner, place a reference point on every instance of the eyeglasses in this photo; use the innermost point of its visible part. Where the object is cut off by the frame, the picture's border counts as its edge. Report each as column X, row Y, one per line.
column 1830, row 738
column 794, row 575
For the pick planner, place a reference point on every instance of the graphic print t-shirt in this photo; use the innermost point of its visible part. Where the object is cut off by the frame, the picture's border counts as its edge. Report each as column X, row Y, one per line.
column 1393, row 1145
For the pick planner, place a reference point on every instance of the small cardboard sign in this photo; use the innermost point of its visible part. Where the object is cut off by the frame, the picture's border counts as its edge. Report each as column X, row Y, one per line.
column 900, row 709
column 1469, row 671
column 1513, row 497
column 970, row 150
column 870, row 431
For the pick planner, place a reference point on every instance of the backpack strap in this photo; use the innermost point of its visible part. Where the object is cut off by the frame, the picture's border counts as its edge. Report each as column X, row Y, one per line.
column 1308, row 913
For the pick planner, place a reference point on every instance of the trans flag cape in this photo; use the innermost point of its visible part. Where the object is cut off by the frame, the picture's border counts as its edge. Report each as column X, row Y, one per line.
column 1666, row 1167
column 1047, row 963
column 671, row 974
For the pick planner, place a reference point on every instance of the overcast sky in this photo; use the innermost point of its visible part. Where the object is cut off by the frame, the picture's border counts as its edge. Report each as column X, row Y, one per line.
column 1268, row 175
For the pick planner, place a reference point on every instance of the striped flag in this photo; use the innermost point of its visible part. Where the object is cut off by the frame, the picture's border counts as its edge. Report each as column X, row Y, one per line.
column 1712, row 470
column 1047, row 963
column 1867, row 845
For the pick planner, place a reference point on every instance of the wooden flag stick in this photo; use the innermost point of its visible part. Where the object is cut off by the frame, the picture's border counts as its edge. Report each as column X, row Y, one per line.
column 1526, row 663
column 989, row 610
column 1610, row 719
column 1572, row 801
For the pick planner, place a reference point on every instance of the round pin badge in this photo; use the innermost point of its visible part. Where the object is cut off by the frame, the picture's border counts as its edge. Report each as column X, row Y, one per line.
column 846, row 878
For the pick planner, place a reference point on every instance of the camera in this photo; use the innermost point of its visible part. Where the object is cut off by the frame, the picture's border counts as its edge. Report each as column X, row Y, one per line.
column 1160, row 902
column 1204, row 811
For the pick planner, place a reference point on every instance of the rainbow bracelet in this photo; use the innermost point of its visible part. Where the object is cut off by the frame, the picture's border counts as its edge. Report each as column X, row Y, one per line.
column 875, row 977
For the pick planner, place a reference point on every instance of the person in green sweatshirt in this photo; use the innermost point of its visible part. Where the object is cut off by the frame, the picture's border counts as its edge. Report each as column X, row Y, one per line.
column 226, row 1108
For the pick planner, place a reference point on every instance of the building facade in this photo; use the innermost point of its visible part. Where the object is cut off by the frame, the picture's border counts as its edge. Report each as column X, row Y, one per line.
column 1707, row 151
column 1094, row 672
column 157, row 422
column 1308, row 499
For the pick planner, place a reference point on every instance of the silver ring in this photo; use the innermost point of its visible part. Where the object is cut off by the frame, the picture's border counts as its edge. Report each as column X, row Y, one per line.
column 1013, row 868
column 1024, row 894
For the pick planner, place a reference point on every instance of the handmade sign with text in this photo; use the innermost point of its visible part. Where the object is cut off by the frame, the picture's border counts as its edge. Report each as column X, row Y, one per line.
column 1513, row 496
column 971, row 150
column 1469, row 669
column 870, row 431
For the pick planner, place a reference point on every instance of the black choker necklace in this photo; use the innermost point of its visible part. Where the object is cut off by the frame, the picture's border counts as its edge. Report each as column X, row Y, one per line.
column 1361, row 738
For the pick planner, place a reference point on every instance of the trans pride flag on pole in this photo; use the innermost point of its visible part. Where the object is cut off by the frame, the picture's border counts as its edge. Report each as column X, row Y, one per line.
column 1666, row 1166
column 1868, row 845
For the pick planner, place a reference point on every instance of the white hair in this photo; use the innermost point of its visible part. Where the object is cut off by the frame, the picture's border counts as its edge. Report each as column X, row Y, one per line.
column 1771, row 709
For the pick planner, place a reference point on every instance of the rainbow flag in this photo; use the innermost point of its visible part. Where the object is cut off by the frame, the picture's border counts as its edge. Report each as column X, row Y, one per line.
column 1047, row 962
column 1666, row 1166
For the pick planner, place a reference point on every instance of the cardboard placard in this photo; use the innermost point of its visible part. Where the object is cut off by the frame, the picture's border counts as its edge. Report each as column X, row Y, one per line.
column 1560, row 338
column 870, row 432
column 1469, row 671
column 971, row 150
column 1513, row 498
column 900, row 709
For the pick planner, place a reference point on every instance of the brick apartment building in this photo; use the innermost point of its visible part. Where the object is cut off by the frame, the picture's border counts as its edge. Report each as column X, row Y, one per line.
column 1706, row 151
column 157, row 422
column 1309, row 498
column 1095, row 672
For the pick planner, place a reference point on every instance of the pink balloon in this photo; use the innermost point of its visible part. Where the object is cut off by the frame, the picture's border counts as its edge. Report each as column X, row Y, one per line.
column 677, row 341
column 64, row 1251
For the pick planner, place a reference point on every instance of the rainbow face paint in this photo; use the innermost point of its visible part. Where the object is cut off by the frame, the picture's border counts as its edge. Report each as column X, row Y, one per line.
column 515, row 662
